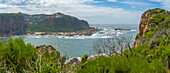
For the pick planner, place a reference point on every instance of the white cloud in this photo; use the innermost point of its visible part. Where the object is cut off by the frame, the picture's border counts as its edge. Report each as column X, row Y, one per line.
column 133, row 6
column 137, row 3
column 98, row 1
column 165, row 3
column 112, row 0
column 93, row 14
column 3, row 6
column 156, row 0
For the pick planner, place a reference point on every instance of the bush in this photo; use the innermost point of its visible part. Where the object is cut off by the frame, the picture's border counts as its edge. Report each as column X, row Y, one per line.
column 137, row 37
column 118, row 64
column 157, row 19
column 16, row 56
column 84, row 58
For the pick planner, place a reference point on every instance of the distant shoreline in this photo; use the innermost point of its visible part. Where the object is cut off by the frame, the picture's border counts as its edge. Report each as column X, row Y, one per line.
column 81, row 32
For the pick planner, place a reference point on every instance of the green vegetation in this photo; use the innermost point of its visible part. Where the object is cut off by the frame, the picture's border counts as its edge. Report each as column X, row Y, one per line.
column 157, row 19
column 158, row 10
column 137, row 37
column 122, row 64
column 150, row 34
column 19, row 23
column 159, row 23
column 16, row 56
column 84, row 58
column 54, row 23
column 145, row 59
column 166, row 22
column 11, row 14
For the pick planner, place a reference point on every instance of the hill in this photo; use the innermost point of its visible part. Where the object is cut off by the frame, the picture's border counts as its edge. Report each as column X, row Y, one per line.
column 57, row 22
column 18, row 23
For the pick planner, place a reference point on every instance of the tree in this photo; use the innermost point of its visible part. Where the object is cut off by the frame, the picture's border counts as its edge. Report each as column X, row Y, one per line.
column 16, row 56
column 113, row 46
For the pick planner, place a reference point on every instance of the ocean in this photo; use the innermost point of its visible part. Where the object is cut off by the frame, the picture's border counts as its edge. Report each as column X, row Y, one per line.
column 78, row 45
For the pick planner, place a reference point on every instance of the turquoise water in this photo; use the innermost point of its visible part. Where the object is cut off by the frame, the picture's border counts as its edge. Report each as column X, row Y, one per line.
column 77, row 46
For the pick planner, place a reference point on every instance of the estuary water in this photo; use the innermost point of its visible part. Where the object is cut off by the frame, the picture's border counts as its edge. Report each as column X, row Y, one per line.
column 78, row 45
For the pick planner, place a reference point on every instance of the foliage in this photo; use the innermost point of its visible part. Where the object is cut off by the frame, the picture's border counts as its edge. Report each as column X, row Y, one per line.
column 84, row 58
column 51, row 63
column 16, row 56
column 157, row 11
column 137, row 37
column 166, row 22
column 149, row 53
column 157, row 19
column 122, row 64
column 141, row 59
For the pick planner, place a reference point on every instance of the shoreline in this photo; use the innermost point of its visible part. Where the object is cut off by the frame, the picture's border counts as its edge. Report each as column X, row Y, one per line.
column 89, row 32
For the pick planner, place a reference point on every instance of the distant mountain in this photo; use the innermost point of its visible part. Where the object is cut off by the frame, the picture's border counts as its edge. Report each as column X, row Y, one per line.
column 18, row 23
column 57, row 22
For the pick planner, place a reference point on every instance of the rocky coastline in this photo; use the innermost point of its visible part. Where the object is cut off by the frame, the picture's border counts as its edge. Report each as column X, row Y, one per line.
column 89, row 32
column 81, row 32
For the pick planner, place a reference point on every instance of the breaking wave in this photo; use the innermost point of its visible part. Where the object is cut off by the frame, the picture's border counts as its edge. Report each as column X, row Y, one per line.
column 104, row 33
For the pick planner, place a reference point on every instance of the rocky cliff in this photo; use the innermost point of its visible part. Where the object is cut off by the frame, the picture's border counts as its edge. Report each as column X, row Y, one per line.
column 18, row 23
column 11, row 24
column 154, row 24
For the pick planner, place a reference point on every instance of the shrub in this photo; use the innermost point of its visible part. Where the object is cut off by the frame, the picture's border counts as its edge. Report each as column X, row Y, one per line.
column 121, row 64
column 16, row 56
column 137, row 37
column 84, row 58
column 157, row 19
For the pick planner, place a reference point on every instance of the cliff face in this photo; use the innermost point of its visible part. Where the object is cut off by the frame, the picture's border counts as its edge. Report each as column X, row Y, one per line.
column 18, row 23
column 11, row 24
column 154, row 23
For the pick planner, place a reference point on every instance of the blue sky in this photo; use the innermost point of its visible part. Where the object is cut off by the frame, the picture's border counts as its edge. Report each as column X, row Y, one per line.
column 93, row 11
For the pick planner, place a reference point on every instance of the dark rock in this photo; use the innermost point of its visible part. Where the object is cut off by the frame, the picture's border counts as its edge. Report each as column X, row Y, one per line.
column 122, row 29
column 12, row 24
column 42, row 49
column 74, row 61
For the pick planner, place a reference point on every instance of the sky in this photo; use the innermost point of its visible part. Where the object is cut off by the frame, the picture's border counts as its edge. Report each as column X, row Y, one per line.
column 93, row 11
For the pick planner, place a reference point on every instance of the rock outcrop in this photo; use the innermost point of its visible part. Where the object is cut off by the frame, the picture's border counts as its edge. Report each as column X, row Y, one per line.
column 154, row 24
column 11, row 24
column 73, row 61
column 122, row 29
column 43, row 48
